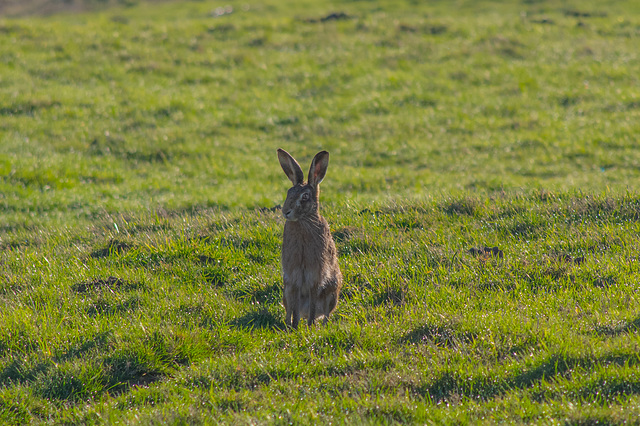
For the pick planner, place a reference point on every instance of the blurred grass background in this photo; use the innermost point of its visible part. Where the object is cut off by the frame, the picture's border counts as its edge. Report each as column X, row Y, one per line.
column 181, row 105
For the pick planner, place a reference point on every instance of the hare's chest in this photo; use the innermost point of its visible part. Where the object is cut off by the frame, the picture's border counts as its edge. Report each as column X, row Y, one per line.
column 301, row 261
column 298, row 256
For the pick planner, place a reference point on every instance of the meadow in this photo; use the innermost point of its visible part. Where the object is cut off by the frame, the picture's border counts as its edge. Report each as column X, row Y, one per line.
column 482, row 192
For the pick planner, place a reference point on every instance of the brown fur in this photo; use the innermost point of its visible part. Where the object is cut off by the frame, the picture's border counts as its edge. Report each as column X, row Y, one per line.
column 310, row 270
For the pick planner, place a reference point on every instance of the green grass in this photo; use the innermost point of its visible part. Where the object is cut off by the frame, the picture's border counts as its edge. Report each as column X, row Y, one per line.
column 139, row 246
column 149, row 106
column 178, row 318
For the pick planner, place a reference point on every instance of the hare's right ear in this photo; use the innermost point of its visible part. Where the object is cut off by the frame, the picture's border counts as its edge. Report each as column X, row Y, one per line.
column 291, row 167
column 318, row 168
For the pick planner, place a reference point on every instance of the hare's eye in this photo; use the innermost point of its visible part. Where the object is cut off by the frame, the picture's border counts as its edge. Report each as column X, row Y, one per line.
column 305, row 196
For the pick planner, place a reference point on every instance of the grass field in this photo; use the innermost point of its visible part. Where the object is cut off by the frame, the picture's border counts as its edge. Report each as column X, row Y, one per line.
column 139, row 243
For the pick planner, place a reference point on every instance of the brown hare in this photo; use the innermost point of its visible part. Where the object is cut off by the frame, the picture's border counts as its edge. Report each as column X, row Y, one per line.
column 310, row 270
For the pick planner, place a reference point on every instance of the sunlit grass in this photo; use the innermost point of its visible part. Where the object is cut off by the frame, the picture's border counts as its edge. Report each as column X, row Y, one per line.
column 480, row 192
column 182, row 313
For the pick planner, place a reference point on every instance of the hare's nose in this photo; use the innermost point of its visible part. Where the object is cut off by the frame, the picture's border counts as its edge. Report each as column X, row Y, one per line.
column 287, row 213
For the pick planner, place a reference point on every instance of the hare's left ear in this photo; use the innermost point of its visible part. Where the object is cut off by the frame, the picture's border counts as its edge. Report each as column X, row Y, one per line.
column 290, row 166
column 318, row 168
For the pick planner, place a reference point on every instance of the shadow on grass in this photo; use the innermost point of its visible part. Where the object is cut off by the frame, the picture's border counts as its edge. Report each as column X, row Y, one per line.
column 113, row 247
column 393, row 293
column 269, row 294
column 216, row 275
column 64, row 384
column 452, row 386
column 442, row 336
column 623, row 327
column 129, row 370
column 601, row 209
column 22, row 368
column 259, row 319
column 109, row 283
column 18, row 371
column 99, row 341
column 526, row 228
column 258, row 248
column 116, row 375
column 79, row 374
column 603, row 389
column 467, row 206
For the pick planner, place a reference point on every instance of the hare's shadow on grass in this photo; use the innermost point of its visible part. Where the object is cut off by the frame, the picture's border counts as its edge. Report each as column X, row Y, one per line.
column 261, row 318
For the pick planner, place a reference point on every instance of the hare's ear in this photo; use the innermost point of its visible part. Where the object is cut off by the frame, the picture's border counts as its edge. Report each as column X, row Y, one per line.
column 318, row 168
column 291, row 167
